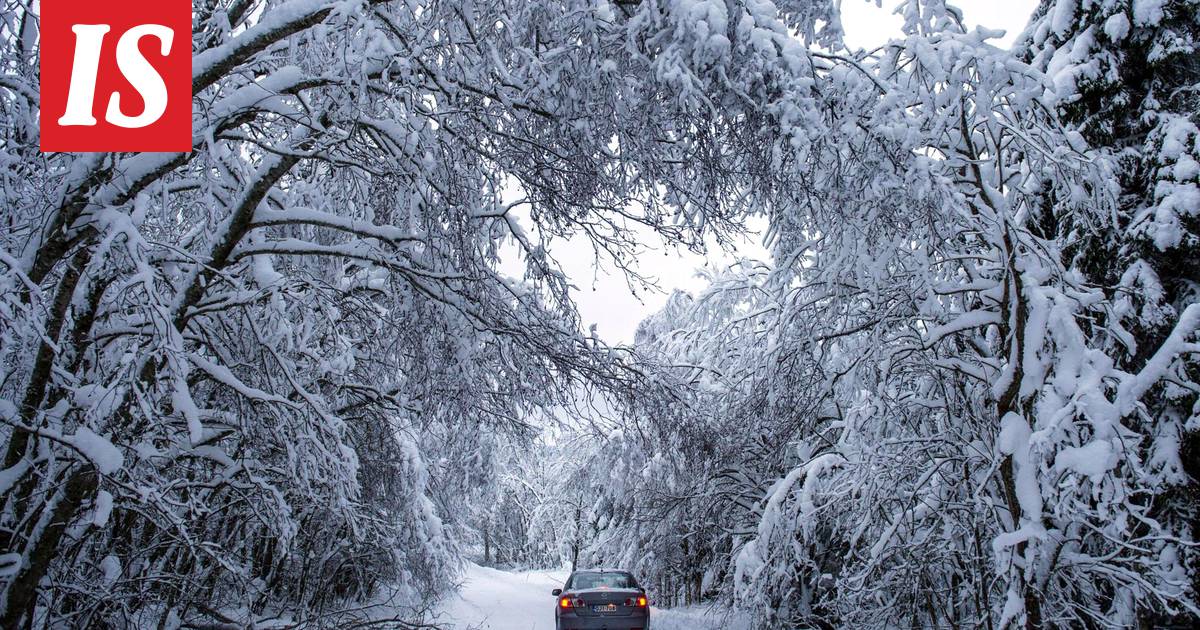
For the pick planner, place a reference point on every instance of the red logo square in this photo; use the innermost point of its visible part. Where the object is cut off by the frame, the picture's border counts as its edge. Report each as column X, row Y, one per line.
column 116, row 76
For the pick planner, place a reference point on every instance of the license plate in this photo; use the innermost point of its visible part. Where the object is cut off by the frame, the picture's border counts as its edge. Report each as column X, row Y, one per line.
column 605, row 608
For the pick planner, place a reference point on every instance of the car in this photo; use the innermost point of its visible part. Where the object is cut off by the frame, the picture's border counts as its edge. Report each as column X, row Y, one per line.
column 601, row 599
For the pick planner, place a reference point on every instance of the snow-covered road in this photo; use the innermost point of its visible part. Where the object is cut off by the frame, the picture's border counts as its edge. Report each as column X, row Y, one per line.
column 500, row 600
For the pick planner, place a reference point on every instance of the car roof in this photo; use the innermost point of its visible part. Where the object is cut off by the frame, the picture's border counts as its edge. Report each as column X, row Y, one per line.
column 603, row 570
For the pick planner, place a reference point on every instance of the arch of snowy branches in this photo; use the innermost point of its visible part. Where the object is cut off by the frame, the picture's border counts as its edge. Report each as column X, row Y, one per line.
column 259, row 381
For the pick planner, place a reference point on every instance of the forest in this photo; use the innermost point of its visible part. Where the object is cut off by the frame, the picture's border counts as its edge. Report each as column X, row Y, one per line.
column 289, row 380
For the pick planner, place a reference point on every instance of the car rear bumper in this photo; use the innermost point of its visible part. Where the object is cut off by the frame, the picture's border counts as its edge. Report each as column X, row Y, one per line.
column 638, row 622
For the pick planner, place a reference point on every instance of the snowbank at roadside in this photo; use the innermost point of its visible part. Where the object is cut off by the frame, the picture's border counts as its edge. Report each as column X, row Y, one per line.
column 697, row 618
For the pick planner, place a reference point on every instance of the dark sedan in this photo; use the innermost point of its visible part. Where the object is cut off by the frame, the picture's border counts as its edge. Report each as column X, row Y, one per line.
column 601, row 599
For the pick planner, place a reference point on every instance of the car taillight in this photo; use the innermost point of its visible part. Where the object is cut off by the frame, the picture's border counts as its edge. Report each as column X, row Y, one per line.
column 565, row 602
column 642, row 602
column 636, row 601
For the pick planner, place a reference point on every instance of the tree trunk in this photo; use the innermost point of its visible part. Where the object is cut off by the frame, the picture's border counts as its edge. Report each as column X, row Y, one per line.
column 80, row 487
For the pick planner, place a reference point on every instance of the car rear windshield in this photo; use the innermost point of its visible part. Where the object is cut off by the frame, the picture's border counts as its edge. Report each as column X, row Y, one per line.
column 588, row 580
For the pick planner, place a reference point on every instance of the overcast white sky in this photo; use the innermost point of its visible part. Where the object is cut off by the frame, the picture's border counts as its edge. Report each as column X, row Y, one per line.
column 606, row 300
